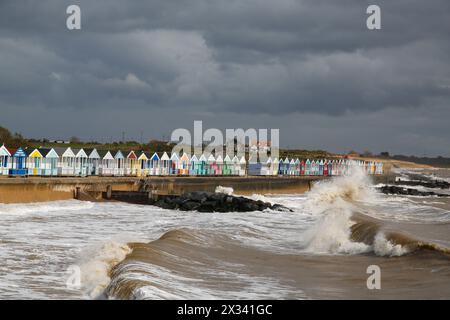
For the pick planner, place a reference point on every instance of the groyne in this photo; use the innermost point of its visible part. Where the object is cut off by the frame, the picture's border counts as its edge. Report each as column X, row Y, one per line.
column 38, row 189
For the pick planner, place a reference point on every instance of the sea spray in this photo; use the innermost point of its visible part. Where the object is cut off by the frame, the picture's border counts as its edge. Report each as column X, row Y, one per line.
column 332, row 203
column 97, row 265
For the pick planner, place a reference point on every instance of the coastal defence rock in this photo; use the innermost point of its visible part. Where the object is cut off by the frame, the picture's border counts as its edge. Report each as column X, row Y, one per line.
column 408, row 191
column 434, row 184
column 215, row 202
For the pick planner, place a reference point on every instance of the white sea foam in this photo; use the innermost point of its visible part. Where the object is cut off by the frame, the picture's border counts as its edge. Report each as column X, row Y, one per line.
column 225, row 190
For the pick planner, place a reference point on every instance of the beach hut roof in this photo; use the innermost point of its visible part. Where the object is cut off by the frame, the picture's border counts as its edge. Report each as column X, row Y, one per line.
column 292, row 161
column 48, row 152
column 235, row 159
column 35, row 154
column 219, row 159
column 105, row 155
column 80, row 153
column 69, row 153
column 174, row 157
column 165, row 156
column 286, row 161
column 143, row 156
column 4, row 151
column 154, row 157
column 64, row 152
column 227, row 158
column 321, row 162
column 242, row 160
column 193, row 158
column 202, row 158
column 211, row 158
column 92, row 153
column 297, row 161
column 308, row 161
column 184, row 157
column 19, row 152
column 119, row 155
column 131, row 155
column 275, row 160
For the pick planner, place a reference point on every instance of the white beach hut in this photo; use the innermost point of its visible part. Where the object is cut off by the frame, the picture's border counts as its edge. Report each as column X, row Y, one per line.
column 107, row 163
column 50, row 162
column 93, row 162
column 5, row 161
column 165, row 164
column 66, row 166
column 242, row 166
column 81, row 162
column 119, row 164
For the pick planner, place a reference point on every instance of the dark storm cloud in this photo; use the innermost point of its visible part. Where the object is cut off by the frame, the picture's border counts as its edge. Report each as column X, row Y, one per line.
column 241, row 57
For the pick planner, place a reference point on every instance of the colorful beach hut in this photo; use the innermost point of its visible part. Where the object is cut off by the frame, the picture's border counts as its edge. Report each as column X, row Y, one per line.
column 227, row 166
column 143, row 167
column 202, row 165
column 165, row 165
column 155, row 165
column 175, row 164
column 194, row 166
column 308, row 167
column 185, row 164
column 35, row 163
column 211, row 165
column 131, row 164
column 219, row 165
column 5, row 161
column 19, row 162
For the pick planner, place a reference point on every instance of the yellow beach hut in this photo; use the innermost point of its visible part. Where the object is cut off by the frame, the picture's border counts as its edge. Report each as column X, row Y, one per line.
column 143, row 160
column 34, row 163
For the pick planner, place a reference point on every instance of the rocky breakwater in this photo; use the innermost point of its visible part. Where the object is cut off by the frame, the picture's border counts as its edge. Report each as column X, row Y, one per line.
column 215, row 202
column 409, row 191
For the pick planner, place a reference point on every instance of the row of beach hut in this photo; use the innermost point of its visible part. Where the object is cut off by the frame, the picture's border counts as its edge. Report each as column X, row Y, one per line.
column 93, row 162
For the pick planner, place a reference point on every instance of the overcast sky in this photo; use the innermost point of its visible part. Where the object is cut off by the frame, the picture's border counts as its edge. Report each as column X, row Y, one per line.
column 308, row 67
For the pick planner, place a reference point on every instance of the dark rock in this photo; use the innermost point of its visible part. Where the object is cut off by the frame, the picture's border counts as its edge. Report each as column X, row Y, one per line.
column 432, row 184
column 408, row 191
column 215, row 202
